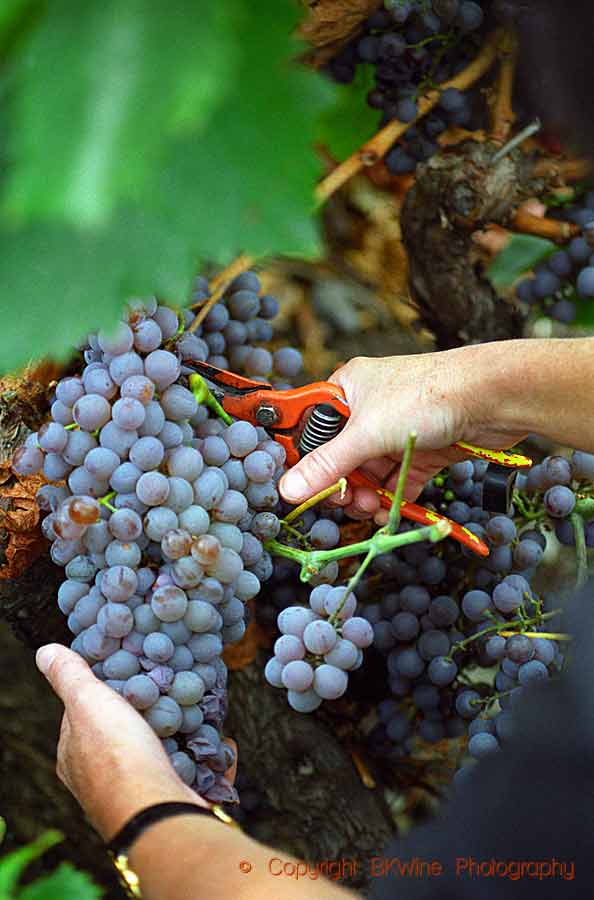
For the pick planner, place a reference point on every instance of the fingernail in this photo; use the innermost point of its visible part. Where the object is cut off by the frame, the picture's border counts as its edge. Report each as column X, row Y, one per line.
column 44, row 658
column 294, row 487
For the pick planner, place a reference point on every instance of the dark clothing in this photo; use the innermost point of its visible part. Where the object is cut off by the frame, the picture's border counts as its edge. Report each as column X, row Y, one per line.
column 532, row 802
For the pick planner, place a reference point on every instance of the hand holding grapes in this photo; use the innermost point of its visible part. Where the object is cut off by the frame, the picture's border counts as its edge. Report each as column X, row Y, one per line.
column 108, row 755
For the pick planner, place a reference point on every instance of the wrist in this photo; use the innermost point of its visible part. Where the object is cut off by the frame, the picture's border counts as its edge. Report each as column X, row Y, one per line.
column 498, row 378
column 111, row 813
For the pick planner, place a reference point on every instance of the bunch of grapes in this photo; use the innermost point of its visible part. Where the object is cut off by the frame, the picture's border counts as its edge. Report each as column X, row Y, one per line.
column 522, row 661
column 441, row 615
column 415, row 45
column 559, row 487
column 319, row 644
column 160, row 513
column 567, row 276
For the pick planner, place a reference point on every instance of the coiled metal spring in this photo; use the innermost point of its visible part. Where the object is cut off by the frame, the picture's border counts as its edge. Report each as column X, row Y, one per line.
column 323, row 424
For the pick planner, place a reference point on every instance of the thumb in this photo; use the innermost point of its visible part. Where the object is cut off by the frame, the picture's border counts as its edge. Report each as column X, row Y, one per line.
column 65, row 670
column 324, row 466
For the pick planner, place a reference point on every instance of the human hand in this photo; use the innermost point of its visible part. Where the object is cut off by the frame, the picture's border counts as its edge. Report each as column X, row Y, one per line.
column 434, row 394
column 108, row 756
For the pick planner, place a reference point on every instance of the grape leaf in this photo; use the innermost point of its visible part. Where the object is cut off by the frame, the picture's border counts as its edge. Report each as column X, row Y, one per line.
column 65, row 883
column 244, row 183
column 12, row 865
column 523, row 252
column 585, row 312
column 61, row 282
column 101, row 89
column 350, row 122
column 247, row 182
column 10, row 13
column 330, row 24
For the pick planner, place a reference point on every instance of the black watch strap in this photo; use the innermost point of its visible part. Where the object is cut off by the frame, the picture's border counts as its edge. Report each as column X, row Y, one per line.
column 119, row 847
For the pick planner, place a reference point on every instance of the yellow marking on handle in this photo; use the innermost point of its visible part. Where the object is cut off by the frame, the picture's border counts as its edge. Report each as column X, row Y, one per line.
column 548, row 635
column 430, row 514
column 512, row 460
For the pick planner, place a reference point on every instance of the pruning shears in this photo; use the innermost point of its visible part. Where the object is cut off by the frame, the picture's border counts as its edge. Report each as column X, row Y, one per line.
column 282, row 414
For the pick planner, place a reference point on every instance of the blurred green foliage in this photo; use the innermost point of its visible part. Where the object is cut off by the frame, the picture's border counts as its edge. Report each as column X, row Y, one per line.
column 64, row 883
column 522, row 253
column 350, row 121
column 142, row 139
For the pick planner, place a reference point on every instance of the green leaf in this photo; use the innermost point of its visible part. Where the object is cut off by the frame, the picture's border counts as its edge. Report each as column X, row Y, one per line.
column 65, row 883
column 246, row 183
column 350, row 121
column 10, row 12
column 17, row 18
column 14, row 864
column 523, row 252
column 101, row 88
column 569, row 196
column 63, row 282
column 585, row 312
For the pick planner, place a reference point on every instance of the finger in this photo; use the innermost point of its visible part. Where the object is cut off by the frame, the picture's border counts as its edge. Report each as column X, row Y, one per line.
column 67, row 672
column 353, row 512
column 324, row 466
column 381, row 517
column 366, row 500
column 380, row 468
column 62, row 750
column 414, row 486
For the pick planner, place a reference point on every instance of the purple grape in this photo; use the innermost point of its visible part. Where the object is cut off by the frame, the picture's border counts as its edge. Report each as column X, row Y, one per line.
column 559, row 501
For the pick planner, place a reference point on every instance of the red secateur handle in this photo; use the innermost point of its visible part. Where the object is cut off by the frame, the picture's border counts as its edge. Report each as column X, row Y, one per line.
column 420, row 514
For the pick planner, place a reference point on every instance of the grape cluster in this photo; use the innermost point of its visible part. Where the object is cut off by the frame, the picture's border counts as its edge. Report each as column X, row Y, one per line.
column 560, row 486
column 319, row 644
column 566, row 277
column 522, row 661
column 415, row 45
column 442, row 610
column 160, row 514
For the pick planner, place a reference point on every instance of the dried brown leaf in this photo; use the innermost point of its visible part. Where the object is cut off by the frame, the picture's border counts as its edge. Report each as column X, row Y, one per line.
column 34, row 379
column 330, row 24
column 19, row 518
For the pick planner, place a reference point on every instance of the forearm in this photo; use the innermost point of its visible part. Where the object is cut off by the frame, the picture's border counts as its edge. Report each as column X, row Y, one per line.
column 195, row 857
column 540, row 386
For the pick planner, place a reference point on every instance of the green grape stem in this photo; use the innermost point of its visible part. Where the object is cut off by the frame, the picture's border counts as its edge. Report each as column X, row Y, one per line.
column 104, row 501
column 502, row 627
column 580, row 548
column 354, row 581
column 313, row 561
column 394, row 514
column 203, row 394
column 341, row 485
column 584, row 507
column 296, row 534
